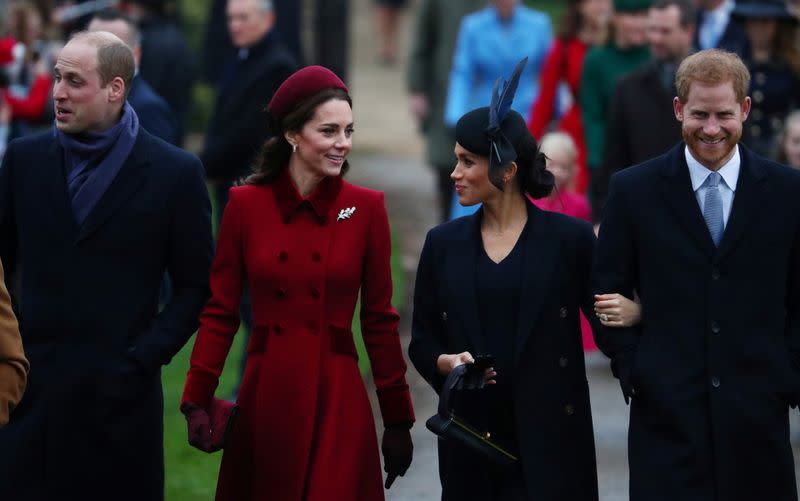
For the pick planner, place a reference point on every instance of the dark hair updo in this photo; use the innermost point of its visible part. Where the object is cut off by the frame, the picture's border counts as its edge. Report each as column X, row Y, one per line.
column 275, row 153
column 532, row 176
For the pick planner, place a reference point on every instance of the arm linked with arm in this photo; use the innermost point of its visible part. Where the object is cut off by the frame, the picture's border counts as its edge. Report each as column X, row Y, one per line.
column 614, row 270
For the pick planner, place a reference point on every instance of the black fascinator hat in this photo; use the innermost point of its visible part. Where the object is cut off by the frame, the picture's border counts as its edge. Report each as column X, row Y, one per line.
column 494, row 131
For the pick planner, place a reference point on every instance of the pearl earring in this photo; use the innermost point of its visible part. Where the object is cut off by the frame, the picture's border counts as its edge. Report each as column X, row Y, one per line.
column 294, row 148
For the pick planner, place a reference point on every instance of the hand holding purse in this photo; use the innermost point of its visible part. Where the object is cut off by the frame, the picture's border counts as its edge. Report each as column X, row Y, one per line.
column 452, row 429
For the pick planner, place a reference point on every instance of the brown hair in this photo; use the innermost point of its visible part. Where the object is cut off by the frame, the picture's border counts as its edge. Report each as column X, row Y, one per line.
column 114, row 58
column 275, row 154
column 712, row 67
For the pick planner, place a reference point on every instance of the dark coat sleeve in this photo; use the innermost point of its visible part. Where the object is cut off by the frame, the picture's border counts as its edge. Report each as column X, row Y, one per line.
column 793, row 309
column 189, row 261
column 615, row 271
column 427, row 333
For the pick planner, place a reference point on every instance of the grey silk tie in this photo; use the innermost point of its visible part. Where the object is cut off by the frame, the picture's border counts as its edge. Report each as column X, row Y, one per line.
column 712, row 209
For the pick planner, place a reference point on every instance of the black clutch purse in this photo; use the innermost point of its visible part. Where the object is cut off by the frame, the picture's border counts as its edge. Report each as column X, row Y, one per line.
column 452, row 429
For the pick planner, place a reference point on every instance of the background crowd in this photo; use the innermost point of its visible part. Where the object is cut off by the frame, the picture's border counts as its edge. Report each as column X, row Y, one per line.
column 597, row 89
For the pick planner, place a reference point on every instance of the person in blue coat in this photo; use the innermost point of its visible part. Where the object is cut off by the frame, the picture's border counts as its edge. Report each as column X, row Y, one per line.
column 154, row 113
column 490, row 42
column 92, row 214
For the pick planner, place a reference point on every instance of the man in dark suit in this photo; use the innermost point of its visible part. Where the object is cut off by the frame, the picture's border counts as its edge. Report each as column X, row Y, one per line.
column 92, row 214
column 154, row 113
column 716, row 29
column 709, row 236
column 239, row 124
column 636, row 128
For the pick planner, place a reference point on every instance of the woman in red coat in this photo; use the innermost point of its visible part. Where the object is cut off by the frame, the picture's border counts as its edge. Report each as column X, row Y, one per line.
column 585, row 23
column 305, row 241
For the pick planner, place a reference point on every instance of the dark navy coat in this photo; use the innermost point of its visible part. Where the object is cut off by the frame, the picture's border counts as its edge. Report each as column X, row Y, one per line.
column 91, row 423
column 154, row 113
column 714, row 364
column 551, row 396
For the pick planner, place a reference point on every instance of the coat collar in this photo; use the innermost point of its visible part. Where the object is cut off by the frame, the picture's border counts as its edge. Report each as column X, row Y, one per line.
column 541, row 247
column 319, row 201
column 678, row 194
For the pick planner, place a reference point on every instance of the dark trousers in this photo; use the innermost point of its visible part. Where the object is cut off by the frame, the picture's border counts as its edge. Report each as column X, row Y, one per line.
column 331, row 29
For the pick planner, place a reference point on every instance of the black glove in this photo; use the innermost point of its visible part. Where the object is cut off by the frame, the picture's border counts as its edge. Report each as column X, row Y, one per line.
column 198, row 425
column 397, row 451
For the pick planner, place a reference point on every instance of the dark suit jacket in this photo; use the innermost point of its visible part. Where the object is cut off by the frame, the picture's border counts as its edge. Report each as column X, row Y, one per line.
column 641, row 126
column 169, row 66
column 154, row 113
column 714, row 363
column 239, row 125
column 90, row 425
column 551, row 396
column 733, row 39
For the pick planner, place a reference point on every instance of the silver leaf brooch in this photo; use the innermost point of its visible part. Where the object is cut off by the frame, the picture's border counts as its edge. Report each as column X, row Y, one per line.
column 346, row 213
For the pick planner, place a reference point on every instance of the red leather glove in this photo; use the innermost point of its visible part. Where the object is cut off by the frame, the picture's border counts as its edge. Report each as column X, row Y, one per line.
column 199, row 426
column 397, row 451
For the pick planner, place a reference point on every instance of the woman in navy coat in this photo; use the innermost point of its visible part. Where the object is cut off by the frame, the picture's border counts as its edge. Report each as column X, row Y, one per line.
column 509, row 281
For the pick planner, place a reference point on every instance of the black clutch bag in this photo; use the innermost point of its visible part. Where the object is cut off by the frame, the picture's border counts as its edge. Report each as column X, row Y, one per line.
column 452, row 429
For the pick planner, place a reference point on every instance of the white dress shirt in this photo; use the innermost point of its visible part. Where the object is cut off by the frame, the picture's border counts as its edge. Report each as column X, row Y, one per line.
column 727, row 185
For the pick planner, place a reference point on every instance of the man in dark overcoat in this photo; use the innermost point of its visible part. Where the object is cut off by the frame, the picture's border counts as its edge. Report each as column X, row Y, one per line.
column 709, row 236
column 636, row 129
column 239, row 125
column 154, row 113
column 92, row 214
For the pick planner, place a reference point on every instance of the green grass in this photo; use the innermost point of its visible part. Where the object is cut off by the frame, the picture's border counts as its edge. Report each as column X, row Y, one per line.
column 191, row 475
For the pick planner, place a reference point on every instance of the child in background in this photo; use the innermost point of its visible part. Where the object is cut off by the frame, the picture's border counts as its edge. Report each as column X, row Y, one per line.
column 562, row 158
column 562, row 161
column 789, row 141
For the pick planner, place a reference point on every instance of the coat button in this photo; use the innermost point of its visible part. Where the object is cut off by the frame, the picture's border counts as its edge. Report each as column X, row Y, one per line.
column 755, row 131
column 316, row 257
column 283, row 257
column 758, row 96
column 715, row 382
column 563, row 312
column 715, row 274
column 281, row 293
column 277, row 329
column 315, row 293
column 715, row 328
column 444, row 316
column 569, row 409
column 562, row 362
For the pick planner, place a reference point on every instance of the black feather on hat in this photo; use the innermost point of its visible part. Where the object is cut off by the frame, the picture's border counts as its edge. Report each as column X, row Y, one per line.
column 494, row 131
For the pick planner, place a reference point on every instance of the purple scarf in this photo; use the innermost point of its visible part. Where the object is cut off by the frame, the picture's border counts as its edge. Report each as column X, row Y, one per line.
column 93, row 160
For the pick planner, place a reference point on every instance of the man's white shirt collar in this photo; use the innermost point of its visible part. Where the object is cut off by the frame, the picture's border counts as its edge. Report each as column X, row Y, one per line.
column 729, row 172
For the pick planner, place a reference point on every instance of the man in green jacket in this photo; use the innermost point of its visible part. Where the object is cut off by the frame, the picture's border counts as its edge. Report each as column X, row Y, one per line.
column 430, row 61
column 604, row 66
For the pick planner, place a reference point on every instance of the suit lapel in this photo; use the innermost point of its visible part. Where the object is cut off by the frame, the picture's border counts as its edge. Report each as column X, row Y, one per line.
column 125, row 184
column 676, row 189
column 462, row 264
column 541, row 252
column 749, row 190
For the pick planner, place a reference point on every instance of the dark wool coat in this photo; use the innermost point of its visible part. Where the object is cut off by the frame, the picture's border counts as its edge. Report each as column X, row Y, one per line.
column 91, row 423
column 551, row 396
column 714, row 365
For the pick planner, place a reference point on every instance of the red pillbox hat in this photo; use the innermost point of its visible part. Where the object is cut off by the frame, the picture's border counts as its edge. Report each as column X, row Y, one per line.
column 301, row 85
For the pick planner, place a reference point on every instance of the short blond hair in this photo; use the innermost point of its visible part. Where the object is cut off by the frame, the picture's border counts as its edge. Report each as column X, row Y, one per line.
column 558, row 141
column 713, row 67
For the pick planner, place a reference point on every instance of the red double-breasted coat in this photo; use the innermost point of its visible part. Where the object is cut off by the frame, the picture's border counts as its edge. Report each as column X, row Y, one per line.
column 305, row 430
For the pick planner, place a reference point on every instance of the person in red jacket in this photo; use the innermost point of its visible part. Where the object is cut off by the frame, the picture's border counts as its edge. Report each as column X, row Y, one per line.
column 306, row 242
column 585, row 24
